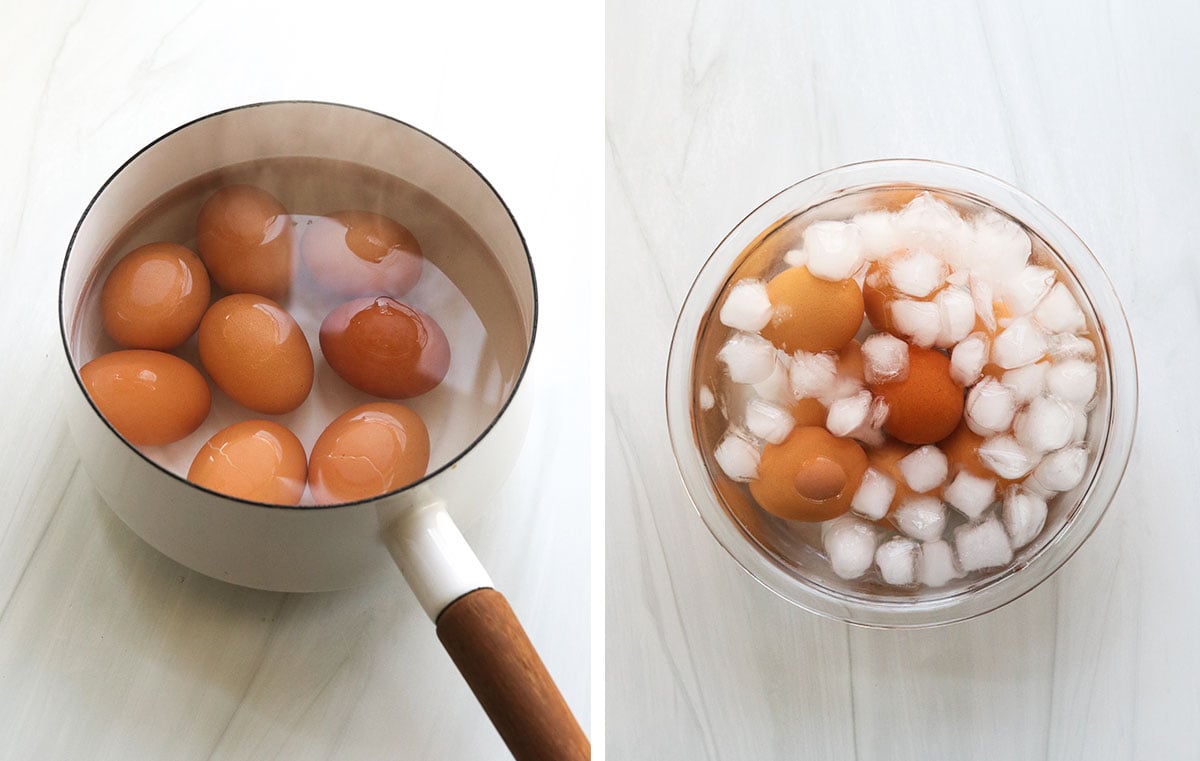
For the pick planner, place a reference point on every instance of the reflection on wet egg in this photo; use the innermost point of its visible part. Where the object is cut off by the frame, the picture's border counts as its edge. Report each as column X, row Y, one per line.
column 370, row 450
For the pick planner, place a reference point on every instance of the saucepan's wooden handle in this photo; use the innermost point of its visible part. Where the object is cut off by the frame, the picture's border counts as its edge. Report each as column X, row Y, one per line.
column 483, row 637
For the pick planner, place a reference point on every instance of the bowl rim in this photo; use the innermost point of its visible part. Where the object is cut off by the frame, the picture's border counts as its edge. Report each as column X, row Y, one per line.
column 1106, row 469
column 449, row 464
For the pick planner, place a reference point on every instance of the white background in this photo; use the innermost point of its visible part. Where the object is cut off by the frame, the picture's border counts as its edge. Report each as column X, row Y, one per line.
column 1092, row 108
column 109, row 650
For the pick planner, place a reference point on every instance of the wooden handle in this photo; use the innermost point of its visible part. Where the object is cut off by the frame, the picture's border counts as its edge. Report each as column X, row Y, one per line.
column 484, row 639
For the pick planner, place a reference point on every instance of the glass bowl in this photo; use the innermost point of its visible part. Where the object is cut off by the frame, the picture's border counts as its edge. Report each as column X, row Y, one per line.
column 785, row 556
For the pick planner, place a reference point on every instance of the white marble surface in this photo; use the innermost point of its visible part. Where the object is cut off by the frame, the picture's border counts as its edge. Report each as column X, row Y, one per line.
column 1091, row 108
column 108, row 650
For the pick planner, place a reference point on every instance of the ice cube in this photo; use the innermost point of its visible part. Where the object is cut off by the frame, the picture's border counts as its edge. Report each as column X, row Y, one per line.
column 777, row 388
column 936, row 565
column 1067, row 346
column 768, row 422
column 956, row 313
column 1000, row 247
column 1026, row 289
column 1044, row 425
column 707, row 400
column 846, row 384
column 1058, row 312
column 737, row 456
column 968, row 357
column 833, row 249
column 1026, row 382
column 877, row 231
column 870, row 432
column 795, row 257
column 874, row 495
column 885, row 359
column 982, row 296
column 897, row 561
column 921, row 518
column 982, row 545
column 1079, row 430
column 1072, row 380
column 1062, row 470
column 969, row 494
column 1024, row 515
column 924, row 469
column 920, row 320
column 1021, row 343
column 850, row 544
column 812, row 375
column 846, row 415
column 917, row 273
column 749, row 357
column 990, row 407
column 1005, row 457
column 747, row 306
column 929, row 223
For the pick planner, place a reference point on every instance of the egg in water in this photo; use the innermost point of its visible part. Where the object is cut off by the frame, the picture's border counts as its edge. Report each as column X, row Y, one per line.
column 254, row 460
column 370, row 450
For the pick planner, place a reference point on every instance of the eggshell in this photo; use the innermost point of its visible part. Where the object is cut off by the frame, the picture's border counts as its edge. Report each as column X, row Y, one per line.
column 886, row 459
column 256, row 353
column 811, row 476
column 154, row 297
column 369, row 450
column 878, row 295
column 149, row 397
column 359, row 253
column 927, row 405
column 385, row 348
column 812, row 314
column 254, row 460
column 244, row 237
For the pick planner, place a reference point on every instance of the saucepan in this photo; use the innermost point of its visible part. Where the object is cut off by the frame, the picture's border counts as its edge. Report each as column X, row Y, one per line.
column 477, row 418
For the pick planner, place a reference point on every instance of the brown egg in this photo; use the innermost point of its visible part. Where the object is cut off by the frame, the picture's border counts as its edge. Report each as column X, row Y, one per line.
column 878, row 295
column 154, row 297
column 359, row 253
column 149, row 397
column 812, row 314
column 811, row 476
column 809, row 412
column 850, row 362
column 927, row 405
column 962, row 453
column 896, row 198
column 368, row 451
column 385, row 348
column 256, row 353
column 886, row 459
column 244, row 236
column 255, row 460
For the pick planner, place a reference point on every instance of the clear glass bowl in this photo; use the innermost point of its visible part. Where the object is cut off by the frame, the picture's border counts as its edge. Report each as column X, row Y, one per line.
column 783, row 555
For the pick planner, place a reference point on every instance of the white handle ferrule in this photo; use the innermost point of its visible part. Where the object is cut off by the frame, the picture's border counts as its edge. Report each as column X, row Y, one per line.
column 435, row 559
